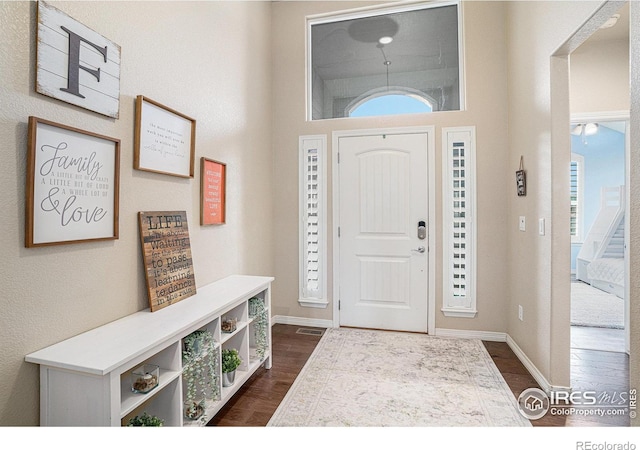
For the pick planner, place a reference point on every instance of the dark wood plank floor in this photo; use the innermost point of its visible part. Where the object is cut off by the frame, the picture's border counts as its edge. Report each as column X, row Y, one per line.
column 257, row 400
column 596, row 370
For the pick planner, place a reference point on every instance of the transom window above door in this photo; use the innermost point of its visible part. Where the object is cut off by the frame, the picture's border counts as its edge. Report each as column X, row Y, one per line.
column 398, row 60
column 386, row 104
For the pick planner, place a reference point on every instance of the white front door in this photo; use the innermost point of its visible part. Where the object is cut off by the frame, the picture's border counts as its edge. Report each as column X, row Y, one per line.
column 382, row 202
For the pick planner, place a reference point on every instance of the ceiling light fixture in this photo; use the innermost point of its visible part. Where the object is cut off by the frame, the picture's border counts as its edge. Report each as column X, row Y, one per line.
column 384, row 40
column 386, row 62
column 610, row 22
column 590, row 129
column 584, row 130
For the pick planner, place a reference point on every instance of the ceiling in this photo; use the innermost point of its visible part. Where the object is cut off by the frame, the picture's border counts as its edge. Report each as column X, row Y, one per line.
column 422, row 40
column 620, row 31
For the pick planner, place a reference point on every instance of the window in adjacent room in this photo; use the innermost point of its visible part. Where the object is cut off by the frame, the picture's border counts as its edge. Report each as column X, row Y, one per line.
column 577, row 195
column 411, row 53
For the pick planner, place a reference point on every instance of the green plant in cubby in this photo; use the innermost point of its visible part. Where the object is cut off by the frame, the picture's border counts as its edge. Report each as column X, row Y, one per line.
column 145, row 420
column 200, row 373
column 258, row 311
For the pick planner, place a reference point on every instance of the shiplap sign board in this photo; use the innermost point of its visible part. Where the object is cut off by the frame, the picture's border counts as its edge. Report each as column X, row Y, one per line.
column 76, row 64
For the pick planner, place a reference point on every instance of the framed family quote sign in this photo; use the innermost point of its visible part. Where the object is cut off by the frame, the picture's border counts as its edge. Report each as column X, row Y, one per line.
column 164, row 139
column 72, row 188
column 213, row 180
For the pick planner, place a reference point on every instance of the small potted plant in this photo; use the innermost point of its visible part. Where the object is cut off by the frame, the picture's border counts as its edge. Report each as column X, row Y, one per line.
column 145, row 420
column 230, row 362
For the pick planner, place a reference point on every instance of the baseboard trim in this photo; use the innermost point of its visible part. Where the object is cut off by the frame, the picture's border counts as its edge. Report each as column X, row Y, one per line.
column 533, row 370
column 521, row 355
column 472, row 334
column 302, row 321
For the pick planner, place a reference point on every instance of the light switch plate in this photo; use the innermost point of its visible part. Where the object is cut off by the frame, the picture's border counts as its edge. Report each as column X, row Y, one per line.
column 521, row 223
column 541, row 227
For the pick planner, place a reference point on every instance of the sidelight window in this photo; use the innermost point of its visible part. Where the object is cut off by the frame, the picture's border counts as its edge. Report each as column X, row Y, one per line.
column 313, row 218
column 459, row 200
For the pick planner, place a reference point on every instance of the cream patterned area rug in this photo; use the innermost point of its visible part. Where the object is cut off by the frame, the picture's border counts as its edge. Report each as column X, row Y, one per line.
column 591, row 307
column 368, row 378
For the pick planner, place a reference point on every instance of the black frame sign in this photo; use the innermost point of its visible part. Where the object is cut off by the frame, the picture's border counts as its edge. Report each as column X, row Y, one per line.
column 521, row 180
column 73, row 179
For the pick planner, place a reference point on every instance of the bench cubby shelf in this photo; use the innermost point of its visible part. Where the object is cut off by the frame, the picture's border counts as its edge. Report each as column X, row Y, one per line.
column 86, row 380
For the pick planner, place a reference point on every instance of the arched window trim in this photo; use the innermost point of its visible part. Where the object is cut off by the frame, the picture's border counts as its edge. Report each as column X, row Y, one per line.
column 392, row 90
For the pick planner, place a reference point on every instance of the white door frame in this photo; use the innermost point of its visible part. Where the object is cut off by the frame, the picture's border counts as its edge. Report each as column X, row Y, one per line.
column 431, row 221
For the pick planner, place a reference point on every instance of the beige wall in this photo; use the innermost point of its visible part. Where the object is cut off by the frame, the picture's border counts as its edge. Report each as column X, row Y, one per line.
column 484, row 38
column 599, row 77
column 539, row 115
column 211, row 61
column 205, row 59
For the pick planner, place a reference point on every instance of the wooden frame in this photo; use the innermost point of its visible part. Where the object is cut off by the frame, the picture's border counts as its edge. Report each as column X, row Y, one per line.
column 166, row 251
column 213, row 190
column 164, row 140
column 73, row 182
column 75, row 64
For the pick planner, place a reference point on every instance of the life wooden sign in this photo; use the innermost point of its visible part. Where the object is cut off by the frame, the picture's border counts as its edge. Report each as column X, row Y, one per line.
column 75, row 64
column 166, row 251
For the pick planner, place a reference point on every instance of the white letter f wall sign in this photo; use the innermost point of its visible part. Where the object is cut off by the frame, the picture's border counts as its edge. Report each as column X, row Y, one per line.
column 76, row 64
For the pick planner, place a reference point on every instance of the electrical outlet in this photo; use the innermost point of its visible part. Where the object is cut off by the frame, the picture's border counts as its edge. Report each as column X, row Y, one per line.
column 521, row 223
column 520, row 312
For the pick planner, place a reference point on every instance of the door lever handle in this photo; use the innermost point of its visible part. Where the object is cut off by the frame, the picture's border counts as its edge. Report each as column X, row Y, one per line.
column 420, row 249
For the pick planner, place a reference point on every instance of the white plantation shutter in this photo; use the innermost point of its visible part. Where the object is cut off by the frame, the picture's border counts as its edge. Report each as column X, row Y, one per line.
column 312, row 221
column 577, row 190
column 311, row 257
column 459, row 221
